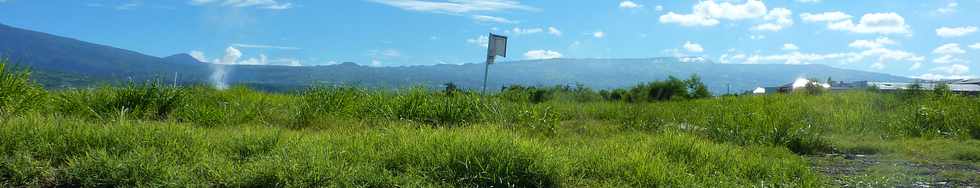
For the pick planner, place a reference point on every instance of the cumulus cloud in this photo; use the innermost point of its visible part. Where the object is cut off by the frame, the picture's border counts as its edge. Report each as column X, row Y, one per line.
column 872, row 23
column 456, row 6
column 708, row 13
column 776, row 19
column 790, row 47
column 880, row 57
column 954, row 69
column 554, row 31
column 492, row 19
column 871, row 44
column 542, row 54
column 947, row 59
column 599, row 34
column 825, row 17
column 264, row 4
column 950, row 32
column 199, row 56
column 693, row 47
column 234, row 56
column 688, row 20
column 629, row 5
column 949, row 49
column 975, row 46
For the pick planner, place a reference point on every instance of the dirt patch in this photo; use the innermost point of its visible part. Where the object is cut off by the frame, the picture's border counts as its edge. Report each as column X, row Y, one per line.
column 855, row 170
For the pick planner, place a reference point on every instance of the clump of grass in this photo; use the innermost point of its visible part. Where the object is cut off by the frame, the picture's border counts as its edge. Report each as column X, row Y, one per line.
column 18, row 94
column 147, row 101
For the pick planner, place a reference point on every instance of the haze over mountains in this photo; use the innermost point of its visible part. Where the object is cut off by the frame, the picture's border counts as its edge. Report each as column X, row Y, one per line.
column 60, row 62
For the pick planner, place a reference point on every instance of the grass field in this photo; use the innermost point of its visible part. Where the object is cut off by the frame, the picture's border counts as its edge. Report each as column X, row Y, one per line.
column 154, row 135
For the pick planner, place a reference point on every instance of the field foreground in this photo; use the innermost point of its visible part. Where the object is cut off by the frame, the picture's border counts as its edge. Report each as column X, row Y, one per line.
column 149, row 135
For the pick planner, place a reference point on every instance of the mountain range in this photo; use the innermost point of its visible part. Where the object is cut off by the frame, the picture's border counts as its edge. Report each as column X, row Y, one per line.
column 61, row 62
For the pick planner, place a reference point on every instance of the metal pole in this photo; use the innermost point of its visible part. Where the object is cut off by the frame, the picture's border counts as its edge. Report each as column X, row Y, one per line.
column 486, row 73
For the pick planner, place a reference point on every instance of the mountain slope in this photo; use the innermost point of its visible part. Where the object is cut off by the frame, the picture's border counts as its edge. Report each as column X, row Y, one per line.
column 64, row 62
column 46, row 52
column 596, row 73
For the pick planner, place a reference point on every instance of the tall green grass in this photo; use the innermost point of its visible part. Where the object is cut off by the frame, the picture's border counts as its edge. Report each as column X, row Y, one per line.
column 147, row 134
column 69, row 152
column 18, row 94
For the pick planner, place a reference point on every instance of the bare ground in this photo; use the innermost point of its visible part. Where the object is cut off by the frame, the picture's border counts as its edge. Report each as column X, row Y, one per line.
column 855, row 170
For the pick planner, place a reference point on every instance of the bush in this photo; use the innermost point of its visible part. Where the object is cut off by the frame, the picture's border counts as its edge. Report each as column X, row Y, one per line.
column 18, row 94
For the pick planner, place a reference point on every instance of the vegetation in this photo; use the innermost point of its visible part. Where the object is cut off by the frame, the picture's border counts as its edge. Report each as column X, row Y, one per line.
column 663, row 133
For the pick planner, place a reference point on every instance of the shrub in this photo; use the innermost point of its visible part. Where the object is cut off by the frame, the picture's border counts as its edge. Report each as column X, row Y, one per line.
column 18, row 94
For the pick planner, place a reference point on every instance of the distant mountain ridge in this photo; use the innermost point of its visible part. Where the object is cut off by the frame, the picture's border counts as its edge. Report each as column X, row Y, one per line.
column 64, row 62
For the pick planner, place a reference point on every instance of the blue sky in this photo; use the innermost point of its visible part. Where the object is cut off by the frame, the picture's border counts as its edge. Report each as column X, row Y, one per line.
column 930, row 39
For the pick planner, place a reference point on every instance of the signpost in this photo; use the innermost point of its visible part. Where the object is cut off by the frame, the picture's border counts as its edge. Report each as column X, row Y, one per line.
column 496, row 46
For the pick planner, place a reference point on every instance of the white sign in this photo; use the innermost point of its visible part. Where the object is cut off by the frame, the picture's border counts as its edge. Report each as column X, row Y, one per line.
column 498, row 46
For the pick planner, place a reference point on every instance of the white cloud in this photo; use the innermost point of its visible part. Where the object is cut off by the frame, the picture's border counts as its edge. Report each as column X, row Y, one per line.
column 199, row 56
column 264, row 4
column 947, row 59
column 375, row 63
column 931, row 76
column 790, row 47
column 825, row 17
column 954, row 69
column 757, row 37
column 629, row 5
column 456, row 6
column 872, row 23
column 525, row 31
column 708, row 13
column 688, row 19
column 949, row 8
column 949, row 49
column 554, row 31
column 482, row 41
column 777, row 19
column 916, row 66
column 809, row 1
column 871, row 44
column 659, row 8
column 492, row 19
column 883, row 56
column 542, row 54
column 975, row 46
column 599, row 34
column 260, row 46
column 693, row 47
column 385, row 54
column 950, row 32
column 233, row 56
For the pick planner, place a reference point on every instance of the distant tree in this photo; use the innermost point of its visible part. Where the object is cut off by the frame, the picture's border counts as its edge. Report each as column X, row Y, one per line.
column 915, row 89
column 814, row 88
column 451, row 88
column 942, row 90
column 696, row 88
